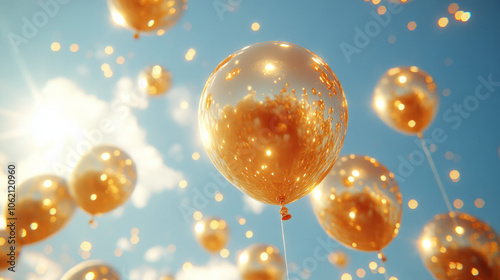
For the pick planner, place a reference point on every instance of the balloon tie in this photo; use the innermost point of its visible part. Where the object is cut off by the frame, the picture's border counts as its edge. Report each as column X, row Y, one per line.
column 381, row 256
column 136, row 35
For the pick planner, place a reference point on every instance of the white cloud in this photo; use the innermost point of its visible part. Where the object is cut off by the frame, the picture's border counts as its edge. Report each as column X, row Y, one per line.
column 214, row 270
column 124, row 244
column 143, row 273
column 253, row 205
column 46, row 268
column 67, row 122
column 182, row 116
column 155, row 253
column 175, row 152
column 128, row 92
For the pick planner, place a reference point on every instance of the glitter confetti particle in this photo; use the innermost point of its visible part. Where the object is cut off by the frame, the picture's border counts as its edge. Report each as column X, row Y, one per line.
column 391, row 39
column 184, row 105
column 255, row 26
column 109, row 50
column 413, row 204
column 346, row 276
column 443, row 22
column 381, row 10
column 242, row 221
column 479, row 203
column 134, row 231
column 453, row 8
column 458, row 15
column 219, row 197
column 412, row 25
column 190, row 54
column 187, row 266
column 372, row 265
column 74, row 48
column 376, row 2
column 120, row 60
column 465, row 16
column 183, row 184
column 86, row 246
column 360, row 273
column 249, row 234
column 55, row 46
column 224, row 253
column 447, row 92
column 455, row 175
column 458, row 203
column 195, row 156
column 197, row 215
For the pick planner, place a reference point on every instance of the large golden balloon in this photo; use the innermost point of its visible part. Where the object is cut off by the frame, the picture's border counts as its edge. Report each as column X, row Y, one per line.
column 43, row 207
column 272, row 118
column 147, row 15
column 212, row 233
column 261, row 262
column 155, row 80
column 458, row 246
column 103, row 179
column 9, row 248
column 359, row 203
column 406, row 99
column 94, row 269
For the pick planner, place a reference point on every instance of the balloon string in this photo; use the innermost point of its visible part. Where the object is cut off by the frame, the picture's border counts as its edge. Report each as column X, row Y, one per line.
column 382, row 264
column 284, row 246
column 434, row 170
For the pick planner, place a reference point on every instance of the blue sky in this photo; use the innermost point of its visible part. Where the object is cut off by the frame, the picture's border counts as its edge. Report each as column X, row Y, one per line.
column 161, row 134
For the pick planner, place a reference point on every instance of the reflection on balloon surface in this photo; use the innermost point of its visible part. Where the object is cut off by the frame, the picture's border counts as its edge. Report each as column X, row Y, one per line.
column 406, row 99
column 458, row 246
column 359, row 203
column 272, row 118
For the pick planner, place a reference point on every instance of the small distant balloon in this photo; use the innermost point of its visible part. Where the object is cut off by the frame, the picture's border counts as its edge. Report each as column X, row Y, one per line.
column 103, row 179
column 406, row 99
column 261, row 262
column 458, row 246
column 43, row 207
column 6, row 252
column 212, row 233
column 359, row 203
column 155, row 80
column 339, row 259
column 94, row 269
column 273, row 117
column 147, row 15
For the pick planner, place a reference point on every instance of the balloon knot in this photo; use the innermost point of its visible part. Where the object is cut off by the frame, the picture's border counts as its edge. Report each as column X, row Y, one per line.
column 136, row 35
column 284, row 213
column 382, row 257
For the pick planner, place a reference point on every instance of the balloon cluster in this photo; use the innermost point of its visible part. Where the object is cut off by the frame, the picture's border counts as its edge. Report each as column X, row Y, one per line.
column 102, row 179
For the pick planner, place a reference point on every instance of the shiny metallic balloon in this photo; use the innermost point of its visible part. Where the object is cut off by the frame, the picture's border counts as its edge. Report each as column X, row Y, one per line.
column 406, row 99
column 212, row 233
column 43, row 207
column 459, row 246
column 147, row 15
column 261, row 262
column 155, row 80
column 103, row 179
column 359, row 203
column 272, row 119
column 94, row 269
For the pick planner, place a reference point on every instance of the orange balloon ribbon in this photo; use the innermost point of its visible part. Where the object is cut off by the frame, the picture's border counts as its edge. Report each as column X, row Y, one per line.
column 273, row 117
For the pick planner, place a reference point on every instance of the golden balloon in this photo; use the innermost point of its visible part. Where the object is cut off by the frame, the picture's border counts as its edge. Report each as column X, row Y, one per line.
column 212, row 233
column 94, row 269
column 155, row 80
column 6, row 244
column 406, row 99
column 273, row 117
column 43, row 207
column 261, row 262
column 338, row 258
column 147, row 15
column 103, row 179
column 359, row 203
column 458, row 246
